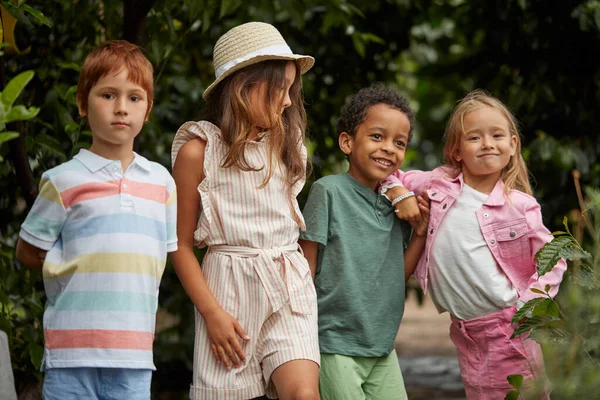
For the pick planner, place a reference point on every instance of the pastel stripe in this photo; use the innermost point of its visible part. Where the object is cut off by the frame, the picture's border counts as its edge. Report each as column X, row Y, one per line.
column 49, row 192
column 125, row 243
column 148, row 191
column 106, row 262
column 114, row 223
column 102, row 320
column 99, row 357
column 172, row 200
column 104, row 301
column 90, row 282
column 68, row 167
column 41, row 227
column 89, row 191
column 94, row 338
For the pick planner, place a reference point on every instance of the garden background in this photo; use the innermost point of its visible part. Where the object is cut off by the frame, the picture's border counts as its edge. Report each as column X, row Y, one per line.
column 539, row 57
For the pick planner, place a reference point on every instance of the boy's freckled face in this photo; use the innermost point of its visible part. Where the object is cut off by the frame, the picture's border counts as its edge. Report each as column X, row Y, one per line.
column 378, row 147
column 116, row 110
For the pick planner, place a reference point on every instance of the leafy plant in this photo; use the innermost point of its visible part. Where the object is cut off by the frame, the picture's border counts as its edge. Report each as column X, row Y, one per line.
column 11, row 113
column 567, row 326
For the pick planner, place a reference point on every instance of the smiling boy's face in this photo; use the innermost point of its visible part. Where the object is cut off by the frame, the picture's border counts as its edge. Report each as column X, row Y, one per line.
column 378, row 147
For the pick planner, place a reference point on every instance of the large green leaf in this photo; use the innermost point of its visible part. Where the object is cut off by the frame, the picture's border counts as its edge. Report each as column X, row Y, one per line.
column 14, row 87
column 515, row 381
column 527, row 307
column 548, row 256
column 533, row 323
column 6, row 136
column 21, row 113
column 546, row 307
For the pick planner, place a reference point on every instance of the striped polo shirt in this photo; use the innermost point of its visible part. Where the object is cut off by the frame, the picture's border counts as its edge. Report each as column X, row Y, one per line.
column 107, row 233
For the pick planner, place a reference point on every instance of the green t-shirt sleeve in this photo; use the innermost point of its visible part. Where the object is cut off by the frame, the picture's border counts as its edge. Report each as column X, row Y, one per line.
column 316, row 215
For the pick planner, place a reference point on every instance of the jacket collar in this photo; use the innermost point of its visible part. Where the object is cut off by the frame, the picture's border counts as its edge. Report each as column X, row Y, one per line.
column 496, row 197
column 94, row 163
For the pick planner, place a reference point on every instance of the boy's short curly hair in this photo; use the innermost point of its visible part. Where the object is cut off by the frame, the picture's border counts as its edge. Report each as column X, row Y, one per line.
column 355, row 111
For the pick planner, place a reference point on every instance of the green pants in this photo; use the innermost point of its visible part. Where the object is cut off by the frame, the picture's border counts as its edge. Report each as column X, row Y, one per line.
column 361, row 378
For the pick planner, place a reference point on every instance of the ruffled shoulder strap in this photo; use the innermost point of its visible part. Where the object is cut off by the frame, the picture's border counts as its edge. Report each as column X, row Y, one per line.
column 192, row 130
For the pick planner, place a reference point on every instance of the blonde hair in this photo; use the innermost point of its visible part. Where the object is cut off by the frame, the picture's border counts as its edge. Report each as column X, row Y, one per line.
column 515, row 175
column 228, row 106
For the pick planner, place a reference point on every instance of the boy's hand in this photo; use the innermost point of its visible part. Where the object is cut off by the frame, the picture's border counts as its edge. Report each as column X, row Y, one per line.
column 223, row 330
column 420, row 226
column 407, row 209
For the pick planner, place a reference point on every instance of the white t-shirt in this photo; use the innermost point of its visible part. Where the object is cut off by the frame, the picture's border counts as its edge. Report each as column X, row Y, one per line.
column 464, row 278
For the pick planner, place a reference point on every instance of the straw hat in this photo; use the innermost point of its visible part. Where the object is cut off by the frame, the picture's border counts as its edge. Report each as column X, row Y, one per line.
column 249, row 44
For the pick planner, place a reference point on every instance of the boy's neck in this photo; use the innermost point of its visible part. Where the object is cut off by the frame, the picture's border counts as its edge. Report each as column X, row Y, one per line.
column 124, row 154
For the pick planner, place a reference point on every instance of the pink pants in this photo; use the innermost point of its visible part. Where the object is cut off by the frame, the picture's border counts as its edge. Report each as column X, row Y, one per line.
column 487, row 355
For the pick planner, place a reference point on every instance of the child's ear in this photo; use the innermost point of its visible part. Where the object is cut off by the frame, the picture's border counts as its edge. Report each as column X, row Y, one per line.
column 345, row 141
column 82, row 112
column 150, row 104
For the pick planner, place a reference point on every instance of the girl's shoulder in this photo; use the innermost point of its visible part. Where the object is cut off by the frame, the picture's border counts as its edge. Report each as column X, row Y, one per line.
column 206, row 131
column 518, row 197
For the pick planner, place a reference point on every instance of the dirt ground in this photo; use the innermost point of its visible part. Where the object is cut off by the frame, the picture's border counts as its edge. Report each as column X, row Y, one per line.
column 423, row 331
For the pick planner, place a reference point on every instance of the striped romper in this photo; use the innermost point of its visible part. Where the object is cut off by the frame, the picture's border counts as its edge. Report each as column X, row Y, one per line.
column 253, row 267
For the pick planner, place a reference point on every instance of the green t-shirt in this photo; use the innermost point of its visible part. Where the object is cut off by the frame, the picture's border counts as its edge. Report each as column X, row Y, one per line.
column 360, row 270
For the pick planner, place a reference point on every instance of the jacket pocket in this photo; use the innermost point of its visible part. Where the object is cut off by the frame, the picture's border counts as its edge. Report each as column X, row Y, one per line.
column 513, row 242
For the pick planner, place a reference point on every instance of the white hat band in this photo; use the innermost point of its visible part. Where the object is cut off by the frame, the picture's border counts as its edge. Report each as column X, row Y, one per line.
column 270, row 50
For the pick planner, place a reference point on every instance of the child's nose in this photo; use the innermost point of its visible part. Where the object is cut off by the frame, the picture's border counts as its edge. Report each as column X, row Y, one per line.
column 121, row 106
column 287, row 101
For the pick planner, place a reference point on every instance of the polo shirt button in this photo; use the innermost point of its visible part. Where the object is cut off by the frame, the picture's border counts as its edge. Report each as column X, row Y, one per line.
column 485, row 215
column 492, row 241
column 379, row 201
column 125, row 186
column 379, row 213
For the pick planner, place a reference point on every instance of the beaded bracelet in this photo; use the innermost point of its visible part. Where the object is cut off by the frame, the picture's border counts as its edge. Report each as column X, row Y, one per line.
column 402, row 197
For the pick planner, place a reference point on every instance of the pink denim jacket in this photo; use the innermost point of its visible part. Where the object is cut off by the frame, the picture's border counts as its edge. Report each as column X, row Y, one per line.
column 513, row 229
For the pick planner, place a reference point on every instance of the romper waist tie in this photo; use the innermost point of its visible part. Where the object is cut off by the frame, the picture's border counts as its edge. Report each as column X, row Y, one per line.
column 268, row 271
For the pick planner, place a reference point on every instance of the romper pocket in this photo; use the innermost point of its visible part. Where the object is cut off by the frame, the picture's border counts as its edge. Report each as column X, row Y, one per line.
column 513, row 242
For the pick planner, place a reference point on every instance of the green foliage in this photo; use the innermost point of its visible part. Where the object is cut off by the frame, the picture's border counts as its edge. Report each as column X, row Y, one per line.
column 21, row 312
column 515, row 381
column 567, row 327
column 9, row 112
column 432, row 52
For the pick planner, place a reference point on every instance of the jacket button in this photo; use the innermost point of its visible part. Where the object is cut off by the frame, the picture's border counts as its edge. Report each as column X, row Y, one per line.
column 445, row 205
column 513, row 233
column 433, row 194
column 431, row 231
column 492, row 241
column 485, row 215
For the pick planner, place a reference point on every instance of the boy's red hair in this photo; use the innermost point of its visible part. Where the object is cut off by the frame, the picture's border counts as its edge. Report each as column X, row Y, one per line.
column 110, row 58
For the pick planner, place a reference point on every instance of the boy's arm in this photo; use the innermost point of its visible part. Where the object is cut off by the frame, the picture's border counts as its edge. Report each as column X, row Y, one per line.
column 316, row 216
column 29, row 255
column 412, row 253
column 310, row 250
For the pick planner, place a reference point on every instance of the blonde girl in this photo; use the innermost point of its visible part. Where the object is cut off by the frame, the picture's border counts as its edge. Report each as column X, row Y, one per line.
column 484, row 231
column 238, row 173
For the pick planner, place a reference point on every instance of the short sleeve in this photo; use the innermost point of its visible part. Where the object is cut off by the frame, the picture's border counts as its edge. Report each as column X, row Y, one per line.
column 45, row 220
column 171, row 206
column 407, row 232
column 316, row 215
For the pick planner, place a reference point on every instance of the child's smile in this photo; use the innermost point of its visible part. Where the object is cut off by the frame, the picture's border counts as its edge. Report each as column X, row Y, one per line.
column 378, row 146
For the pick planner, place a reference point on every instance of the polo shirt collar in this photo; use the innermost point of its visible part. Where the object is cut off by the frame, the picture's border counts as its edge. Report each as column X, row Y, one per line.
column 95, row 163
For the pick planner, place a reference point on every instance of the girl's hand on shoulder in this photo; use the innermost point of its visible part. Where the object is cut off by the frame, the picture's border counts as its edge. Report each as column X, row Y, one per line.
column 223, row 331
column 420, row 226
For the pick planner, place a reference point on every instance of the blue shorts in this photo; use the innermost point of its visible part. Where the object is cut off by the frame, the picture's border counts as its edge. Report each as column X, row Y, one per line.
column 97, row 384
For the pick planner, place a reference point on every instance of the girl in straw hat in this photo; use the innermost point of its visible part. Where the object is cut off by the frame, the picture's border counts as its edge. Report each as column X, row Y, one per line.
column 238, row 174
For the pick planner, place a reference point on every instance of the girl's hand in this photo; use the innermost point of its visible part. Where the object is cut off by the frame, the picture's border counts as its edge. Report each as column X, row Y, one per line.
column 223, row 330
column 420, row 226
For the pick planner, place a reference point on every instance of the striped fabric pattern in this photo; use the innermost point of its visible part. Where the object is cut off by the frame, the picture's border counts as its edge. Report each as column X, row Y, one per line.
column 107, row 233
column 253, row 268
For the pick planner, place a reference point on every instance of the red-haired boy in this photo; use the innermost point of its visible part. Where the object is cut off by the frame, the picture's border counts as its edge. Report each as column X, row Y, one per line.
column 107, row 221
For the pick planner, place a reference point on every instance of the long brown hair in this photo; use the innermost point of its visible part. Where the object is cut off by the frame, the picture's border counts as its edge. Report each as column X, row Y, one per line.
column 515, row 175
column 229, row 107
